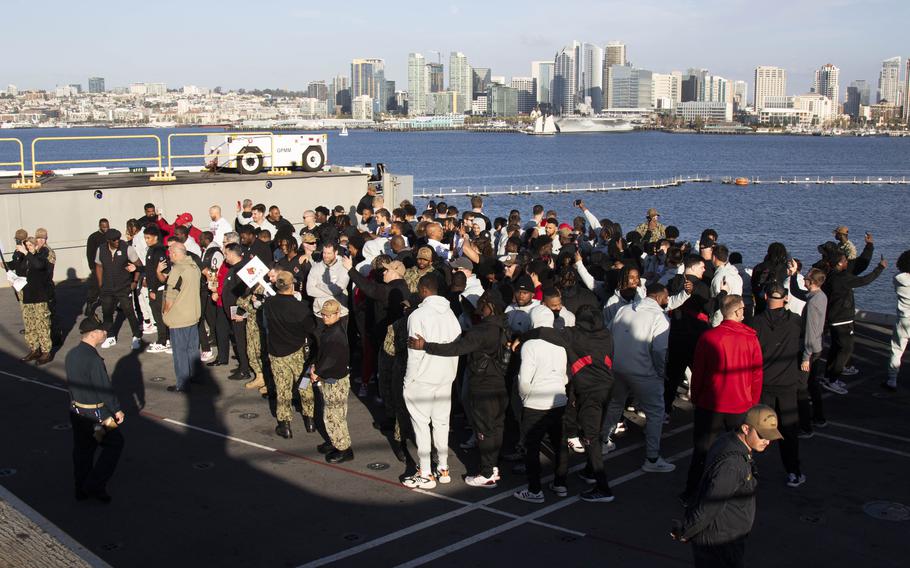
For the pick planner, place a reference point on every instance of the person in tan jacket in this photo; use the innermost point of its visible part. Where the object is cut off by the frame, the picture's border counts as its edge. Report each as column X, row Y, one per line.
column 181, row 312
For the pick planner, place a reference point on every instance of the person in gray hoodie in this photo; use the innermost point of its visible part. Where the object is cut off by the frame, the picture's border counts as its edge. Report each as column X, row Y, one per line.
column 641, row 332
column 809, row 393
column 902, row 327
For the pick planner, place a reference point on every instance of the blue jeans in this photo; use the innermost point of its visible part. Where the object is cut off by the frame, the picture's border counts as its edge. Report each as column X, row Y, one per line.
column 185, row 345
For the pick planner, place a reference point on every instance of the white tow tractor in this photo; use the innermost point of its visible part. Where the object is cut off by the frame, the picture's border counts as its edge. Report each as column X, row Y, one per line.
column 253, row 153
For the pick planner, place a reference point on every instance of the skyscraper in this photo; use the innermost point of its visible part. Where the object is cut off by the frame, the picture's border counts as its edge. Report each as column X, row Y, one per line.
column 740, row 93
column 436, row 83
column 906, row 101
column 827, row 83
column 769, row 82
column 590, row 76
column 614, row 54
column 852, row 103
column 338, row 96
column 630, row 87
column 716, row 90
column 418, row 77
column 96, row 84
column 565, row 79
column 665, row 92
column 542, row 73
column 526, row 95
column 461, row 81
column 368, row 78
column 481, row 80
column 317, row 90
column 889, row 84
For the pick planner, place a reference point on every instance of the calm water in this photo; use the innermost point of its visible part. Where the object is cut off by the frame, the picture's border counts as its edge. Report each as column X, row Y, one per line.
column 747, row 219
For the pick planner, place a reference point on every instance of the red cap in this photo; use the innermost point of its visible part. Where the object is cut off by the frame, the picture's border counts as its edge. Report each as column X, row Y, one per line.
column 565, row 226
column 184, row 218
column 543, row 222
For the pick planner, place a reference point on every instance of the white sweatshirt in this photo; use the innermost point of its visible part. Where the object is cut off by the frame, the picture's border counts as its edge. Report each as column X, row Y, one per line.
column 641, row 331
column 542, row 376
column 327, row 282
column 729, row 273
column 436, row 323
column 902, row 288
column 518, row 317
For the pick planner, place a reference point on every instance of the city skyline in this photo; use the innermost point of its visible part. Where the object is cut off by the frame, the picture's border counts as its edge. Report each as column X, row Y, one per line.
column 658, row 37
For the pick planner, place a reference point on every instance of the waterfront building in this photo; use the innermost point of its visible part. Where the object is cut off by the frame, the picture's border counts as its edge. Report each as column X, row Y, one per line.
column 705, row 111
column 665, row 90
column 818, row 107
column 503, row 101
column 629, row 87
column 461, row 81
column 311, row 107
column 614, row 54
column 740, row 94
column 590, row 76
column 391, row 102
column 827, row 83
column 12, row 90
column 884, row 113
column 441, row 103
column 418, row 78
column 906, row 102
column 480, row 81
column 853, row 102
column 769, row 82
column 317, row 90
column 565, row 79
column 542, row 73
column 401, row 101
column 339, row 95
column 479, row 105
column 889, row 84
column 693, row 85
column 362, row 108
column 716, row 90
column 96, row 84
column 526, row 95
column 436, row 78
column 368, row 79
column 865, row 91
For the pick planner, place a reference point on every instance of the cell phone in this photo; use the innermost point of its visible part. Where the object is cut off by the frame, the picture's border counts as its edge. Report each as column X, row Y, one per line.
column 577, row 202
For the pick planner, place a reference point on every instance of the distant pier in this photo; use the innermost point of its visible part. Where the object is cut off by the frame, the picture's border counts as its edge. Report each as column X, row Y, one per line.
column 555, row 189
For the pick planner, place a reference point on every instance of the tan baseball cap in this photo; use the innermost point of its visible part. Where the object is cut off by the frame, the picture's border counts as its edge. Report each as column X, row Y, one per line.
column 308, row 238
column 764, row 420
column 284, row 280
column 395, row 266
column 652, row 212
column 21, row 234
column 330, row 307
column 425, row 253
column 41, row 233
column 842, row 230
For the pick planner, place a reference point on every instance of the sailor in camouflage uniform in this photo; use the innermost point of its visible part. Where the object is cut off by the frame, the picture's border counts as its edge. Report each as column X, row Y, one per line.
column 331, row 372
column 251, row 304
column 32, row 263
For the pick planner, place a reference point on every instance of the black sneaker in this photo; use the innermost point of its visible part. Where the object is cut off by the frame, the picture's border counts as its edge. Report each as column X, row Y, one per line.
column 596, row 495
column 586, row 477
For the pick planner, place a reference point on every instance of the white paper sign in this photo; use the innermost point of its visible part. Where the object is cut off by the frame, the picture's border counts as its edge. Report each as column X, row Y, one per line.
column 254, row 272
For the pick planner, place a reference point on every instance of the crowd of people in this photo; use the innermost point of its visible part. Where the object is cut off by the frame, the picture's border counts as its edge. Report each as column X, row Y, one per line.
column 531, row 328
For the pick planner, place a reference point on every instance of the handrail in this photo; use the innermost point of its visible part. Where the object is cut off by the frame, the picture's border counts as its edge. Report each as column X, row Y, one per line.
column 21, row 163
column 156, row 158
column 171, row 157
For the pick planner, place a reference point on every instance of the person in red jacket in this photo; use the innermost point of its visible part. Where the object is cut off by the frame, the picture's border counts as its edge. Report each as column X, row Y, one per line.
column 726, row 382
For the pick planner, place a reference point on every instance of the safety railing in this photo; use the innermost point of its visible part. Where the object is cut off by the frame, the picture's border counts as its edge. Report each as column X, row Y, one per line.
column 157, row 158
column 250, row 136
column 20, row 183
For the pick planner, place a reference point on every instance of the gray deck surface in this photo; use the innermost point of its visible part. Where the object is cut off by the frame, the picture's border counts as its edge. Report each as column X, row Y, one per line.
column 199, row 485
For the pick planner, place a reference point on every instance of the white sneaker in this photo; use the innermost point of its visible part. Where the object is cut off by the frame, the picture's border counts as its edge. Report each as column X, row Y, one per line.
column 575, row 445
column 136, row 344
column 608, row 446
column 418, row 481
column 109, row 342
column 850, row 371
column 156, row 348
column 659, row 466
column 496, row 476
column 206, row 356
column 794, row 481
column 149, row 328
column 480, row 481
column 559, row 490
column 530, row 497
column 469, row 444
column 826, row 384
column 443, row 475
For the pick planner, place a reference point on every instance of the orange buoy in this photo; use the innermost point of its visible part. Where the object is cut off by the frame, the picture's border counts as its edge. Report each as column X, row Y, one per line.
column 741, row 181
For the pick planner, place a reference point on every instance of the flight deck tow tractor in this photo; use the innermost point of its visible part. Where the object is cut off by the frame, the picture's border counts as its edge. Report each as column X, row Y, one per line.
column 253, row 153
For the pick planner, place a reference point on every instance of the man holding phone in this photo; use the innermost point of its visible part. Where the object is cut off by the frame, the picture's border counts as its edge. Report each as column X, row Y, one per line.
column 652, row 230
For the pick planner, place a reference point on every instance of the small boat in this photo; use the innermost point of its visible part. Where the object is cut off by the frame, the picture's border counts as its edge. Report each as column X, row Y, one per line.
column 543, row 126
column 344, row 131
column 741, row 181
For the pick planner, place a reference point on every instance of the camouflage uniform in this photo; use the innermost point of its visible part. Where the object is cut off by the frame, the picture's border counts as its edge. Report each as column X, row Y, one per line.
column 659, row 233
column 848, row 248
column 286, row 371
column 253, row 334
column 335, row 413
column 413, row 274
column 37, row 320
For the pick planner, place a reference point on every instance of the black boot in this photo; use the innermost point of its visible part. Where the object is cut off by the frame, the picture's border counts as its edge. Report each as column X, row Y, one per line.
column 284, row 429
column 399, row 449
column 325, row 448
column 339, row 456
column 309, row 424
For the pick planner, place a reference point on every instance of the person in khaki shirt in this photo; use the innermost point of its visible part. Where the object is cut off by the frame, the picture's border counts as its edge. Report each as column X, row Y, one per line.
column 181, row 312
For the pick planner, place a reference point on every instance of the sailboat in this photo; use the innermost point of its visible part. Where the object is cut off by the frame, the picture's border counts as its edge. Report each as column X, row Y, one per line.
column 542, row 126
column 344, row 130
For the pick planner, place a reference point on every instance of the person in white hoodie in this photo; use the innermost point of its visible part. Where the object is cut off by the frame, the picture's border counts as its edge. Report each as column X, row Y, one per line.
column 428, row 383
column 726, row 279
column 902, row 327
column 542, row 383
column 328, row 279
column 641, row 332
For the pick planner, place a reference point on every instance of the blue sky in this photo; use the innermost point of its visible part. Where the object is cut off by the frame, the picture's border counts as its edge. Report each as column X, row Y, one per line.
column 279, row 43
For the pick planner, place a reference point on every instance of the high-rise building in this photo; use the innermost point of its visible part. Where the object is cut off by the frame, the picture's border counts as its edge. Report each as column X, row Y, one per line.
column 362, row 108
column 368, row 78
column 502, row 100
column 12, row 90
column 526, row 95
column 317, row 90
column 693, row 85
column 418, row 78
column 614, row 54
column 565, row 79
column 481, row 80
column 665, row 92
column 391, row 104
column 76, row 87
column 339, row 95
column 740, row 94
column 769, row 82
column 542, row 73
column 461, row 81
column 436, row 82
column 827, row 83
column 853, row 101
column 889, row 84
column 906, row 101
column 590, row 76
column 865, row 91
column 96, row 84
column 630, row 87
column 716, row 90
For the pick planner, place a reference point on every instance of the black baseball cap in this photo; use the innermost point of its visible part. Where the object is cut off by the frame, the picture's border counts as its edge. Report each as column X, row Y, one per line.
column 91, row 324
column 524, row 283
column 112, row 235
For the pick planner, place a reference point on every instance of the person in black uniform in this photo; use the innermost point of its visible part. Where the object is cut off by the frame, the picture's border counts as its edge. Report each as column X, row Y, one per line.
column 116, row 266
column 94, row 414
column 95, row 240
column 232, row 289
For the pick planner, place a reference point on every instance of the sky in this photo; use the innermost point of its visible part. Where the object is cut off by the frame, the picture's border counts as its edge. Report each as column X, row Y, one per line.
column 285, row 44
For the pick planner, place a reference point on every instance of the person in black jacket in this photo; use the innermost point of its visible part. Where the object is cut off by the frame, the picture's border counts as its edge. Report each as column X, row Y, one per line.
column 720, row 518
column 32, row 263
column 687, row 323
column 94, row 241
column 485, row 345
column 332, row 372
column 779, row 332
column 155, row 254
column 589, row 346
column 231, row 290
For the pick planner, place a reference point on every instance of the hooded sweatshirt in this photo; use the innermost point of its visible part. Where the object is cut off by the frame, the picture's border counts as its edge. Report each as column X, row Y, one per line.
column 902, row 289
column 727, row 369
column 436, row 323
column 483, row 344
column 641, row 332
column 778, row 332
column 542, row 376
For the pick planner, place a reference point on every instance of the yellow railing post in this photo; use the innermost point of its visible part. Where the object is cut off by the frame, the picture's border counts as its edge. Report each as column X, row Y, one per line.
column 20, row 183
column 157, row 158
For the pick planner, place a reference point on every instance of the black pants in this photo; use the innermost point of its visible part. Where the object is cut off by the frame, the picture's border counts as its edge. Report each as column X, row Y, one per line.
column 727, row 555
column 92, row 475
column 590, row 401
column 809, row 400
column 679, row 358
column 93, row 292
column 488, row 415
column 784, row 402
column 534, row 425
column 706, row 427
column 841, row 349
column 239, row 330
column 223, row 335
column 109, row 303
column 156, row 304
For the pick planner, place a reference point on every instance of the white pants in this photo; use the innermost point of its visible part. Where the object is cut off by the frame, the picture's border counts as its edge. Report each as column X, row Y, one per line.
column 430, row 404
column 898, row 345
column 144, row 306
